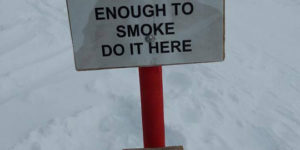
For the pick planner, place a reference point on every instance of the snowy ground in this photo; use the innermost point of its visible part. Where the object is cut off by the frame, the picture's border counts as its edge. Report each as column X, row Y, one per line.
column 249, row 102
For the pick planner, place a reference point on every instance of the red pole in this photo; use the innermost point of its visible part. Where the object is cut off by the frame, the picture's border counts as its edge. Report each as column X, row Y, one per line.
column 152, row 106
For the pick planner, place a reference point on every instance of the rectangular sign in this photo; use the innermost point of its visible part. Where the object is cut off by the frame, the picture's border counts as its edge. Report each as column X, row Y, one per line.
column 165, row 148
column 131, row 33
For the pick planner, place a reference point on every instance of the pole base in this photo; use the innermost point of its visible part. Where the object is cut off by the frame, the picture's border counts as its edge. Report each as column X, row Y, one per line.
column 163, row 148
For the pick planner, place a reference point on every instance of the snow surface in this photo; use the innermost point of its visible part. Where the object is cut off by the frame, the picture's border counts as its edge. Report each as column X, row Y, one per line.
column 249, row 102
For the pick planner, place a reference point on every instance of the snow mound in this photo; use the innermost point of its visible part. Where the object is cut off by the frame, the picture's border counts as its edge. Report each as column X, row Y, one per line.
column 248, row 102
column 93, row 129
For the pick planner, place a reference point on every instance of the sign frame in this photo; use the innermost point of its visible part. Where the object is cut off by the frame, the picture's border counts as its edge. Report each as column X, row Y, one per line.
column 153, row 64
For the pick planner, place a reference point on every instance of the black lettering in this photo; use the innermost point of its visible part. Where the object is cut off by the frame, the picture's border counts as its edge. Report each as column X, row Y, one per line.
column 111, row 13
column 136, row 14
column 187, row 45
column 144, row 29
column 121, row 31
column 170, row 28
column 187, row 11
column 99, row 12
column 157, row 28
column 106, row 53
column 150, row 11
column 133, row 31
column 138, row 45
column 125, row 13
column 164, row 47
column 121, row 49
column 175, row 45
column 163, row 10
column 176, row 8
column 155, row 47
column 131, row 48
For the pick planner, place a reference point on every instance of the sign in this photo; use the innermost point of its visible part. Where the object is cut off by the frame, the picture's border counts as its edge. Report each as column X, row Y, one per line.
column 131, row 33
column 165, row 148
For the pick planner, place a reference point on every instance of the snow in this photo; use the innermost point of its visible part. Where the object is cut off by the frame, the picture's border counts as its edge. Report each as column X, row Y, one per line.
column 249, row 101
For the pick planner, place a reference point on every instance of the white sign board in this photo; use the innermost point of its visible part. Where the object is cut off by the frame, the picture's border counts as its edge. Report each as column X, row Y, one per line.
column 130, row 33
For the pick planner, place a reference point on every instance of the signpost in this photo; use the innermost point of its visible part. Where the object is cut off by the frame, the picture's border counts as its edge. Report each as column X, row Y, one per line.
column 147, row 34
column 152, row 106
